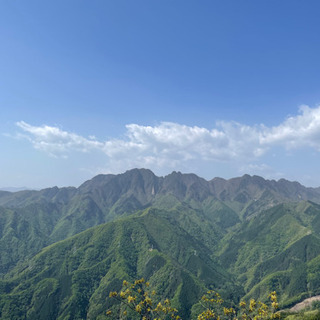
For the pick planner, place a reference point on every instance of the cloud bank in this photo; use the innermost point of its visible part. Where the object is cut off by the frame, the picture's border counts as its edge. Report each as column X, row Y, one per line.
column 170, row 144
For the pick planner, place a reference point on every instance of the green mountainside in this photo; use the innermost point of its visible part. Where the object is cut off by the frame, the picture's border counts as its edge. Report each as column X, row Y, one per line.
column 273, row 251
column 73, row 277
column 64, row 249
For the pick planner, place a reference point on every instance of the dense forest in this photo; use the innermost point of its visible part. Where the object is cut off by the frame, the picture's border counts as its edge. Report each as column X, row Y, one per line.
column 63, row 250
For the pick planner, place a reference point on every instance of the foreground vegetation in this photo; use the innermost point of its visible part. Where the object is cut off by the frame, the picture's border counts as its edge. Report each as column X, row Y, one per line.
column 135, row 301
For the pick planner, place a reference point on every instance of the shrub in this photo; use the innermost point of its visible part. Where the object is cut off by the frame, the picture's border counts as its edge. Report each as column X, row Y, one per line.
column 135, row 301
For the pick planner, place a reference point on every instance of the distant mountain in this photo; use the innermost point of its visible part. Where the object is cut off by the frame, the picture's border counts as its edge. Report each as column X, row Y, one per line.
column 53, row 214
column 13, row 189
column 140, row 187
column 243, row 236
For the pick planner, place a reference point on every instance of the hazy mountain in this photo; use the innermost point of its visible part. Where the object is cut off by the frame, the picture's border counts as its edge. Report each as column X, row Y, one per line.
column 14, row 189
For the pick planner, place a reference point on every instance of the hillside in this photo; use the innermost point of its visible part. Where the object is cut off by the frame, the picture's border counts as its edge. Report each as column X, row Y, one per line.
column 73, row 276
column 63, row 249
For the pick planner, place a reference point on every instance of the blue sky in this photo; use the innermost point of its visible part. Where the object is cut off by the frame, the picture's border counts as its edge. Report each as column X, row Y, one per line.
column 218, row 88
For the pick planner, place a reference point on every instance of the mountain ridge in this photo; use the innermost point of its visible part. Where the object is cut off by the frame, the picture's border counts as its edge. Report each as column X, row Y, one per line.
column 262, row 234
column 145, row 179
column 107, row 197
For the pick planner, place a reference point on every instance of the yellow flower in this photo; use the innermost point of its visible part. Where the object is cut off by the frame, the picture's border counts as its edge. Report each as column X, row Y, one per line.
column 228, row 311
column 252, row 304
column 160, row 307
column 148, row 300
column 264, row 306
column 273, row 296
column 242, row 304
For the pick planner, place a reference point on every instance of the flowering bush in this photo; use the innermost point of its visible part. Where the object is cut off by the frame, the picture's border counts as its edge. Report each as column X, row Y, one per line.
column 134, row 298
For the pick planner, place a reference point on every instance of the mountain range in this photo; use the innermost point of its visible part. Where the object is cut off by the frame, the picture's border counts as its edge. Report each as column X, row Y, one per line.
column 64, row 249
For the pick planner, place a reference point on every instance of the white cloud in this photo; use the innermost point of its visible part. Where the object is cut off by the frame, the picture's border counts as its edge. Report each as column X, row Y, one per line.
column 56, row 141
column 169, row 144
column 299, row 131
